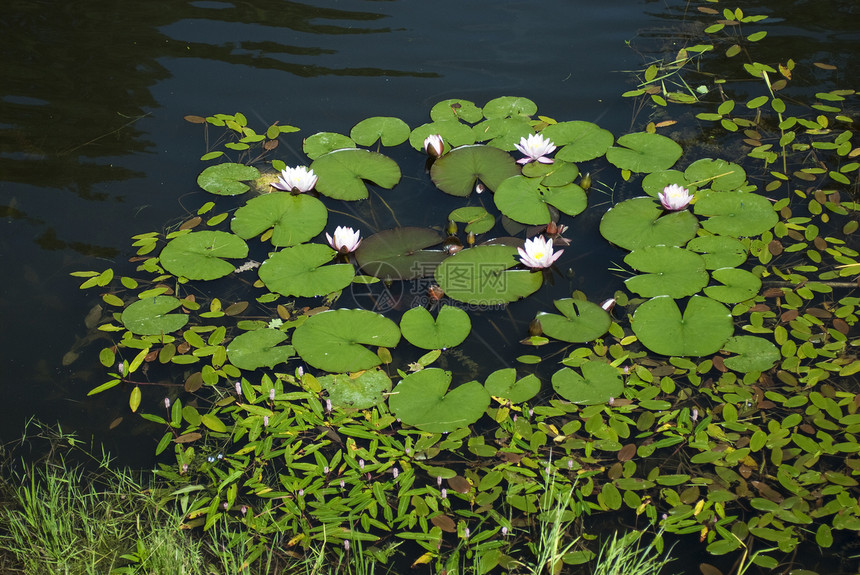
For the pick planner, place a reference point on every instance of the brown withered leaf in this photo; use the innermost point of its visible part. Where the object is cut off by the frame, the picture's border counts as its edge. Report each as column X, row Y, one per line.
column 775, row 247
column 194, row 382
column 459, row 484
column 188, row 437
column 444, row 523
column 773, row 292
column 789, row 315
column 627, row 452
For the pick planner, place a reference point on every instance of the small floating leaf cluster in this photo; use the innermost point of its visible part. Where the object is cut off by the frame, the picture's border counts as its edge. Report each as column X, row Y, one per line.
column 716, row 399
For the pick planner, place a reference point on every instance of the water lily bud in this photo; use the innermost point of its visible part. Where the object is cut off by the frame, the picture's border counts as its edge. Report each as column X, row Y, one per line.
column 452, row 226
column 435, row 293
column 479, row 188
column 470, row 238
column 535, row 328
column 607, row 305
column 434, row 145
column 585, row 182
column 552, row 228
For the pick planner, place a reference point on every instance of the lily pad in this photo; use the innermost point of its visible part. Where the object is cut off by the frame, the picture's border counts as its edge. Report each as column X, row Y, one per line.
column 422, row 399
column 456, row 109
column 740, row 285
column 644, row 152
column 259, row 348
column 457, row 171
column 450, row 328
column 653, row 183
column 641, row 222
column 480, row 276
column 736, row 214
column 151, row 316
column 509, row 106
column 322, row 143
column 669, row 270
column 356, row 391
column 722, row 176
column 558, row 173
column 702, row 329
column 578, row 141
column 295, row 219
column 527, row 200
column 581, row 321
column 754, row 354
column 502, row 133
column 399, row 254
column 503, row 383
column 390, row 131
column 477, row 219
column 342, row 173
column 598, row 383
column 197, row 255
column 719, row 251
column 453, row 132
column 226, row 179
column 334, row 340
column 301, row 271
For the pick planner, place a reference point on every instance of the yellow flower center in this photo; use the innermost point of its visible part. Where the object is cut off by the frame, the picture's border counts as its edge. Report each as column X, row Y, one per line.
column 538, row 256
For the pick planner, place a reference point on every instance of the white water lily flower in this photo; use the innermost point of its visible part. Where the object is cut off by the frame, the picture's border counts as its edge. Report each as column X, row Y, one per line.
column 538, row 253
column 345, row 239
column 299, row 178
column 675, row 198
column 535, row 149
column 434, row 146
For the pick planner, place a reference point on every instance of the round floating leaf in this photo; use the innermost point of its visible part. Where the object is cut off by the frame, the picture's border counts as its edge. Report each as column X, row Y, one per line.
column 399, row 253
column 342, row 173
column 334, row 340
column 301, row 271
column 502, row 133
column 422, row 399
column 641, row 222
column 197, row 255
column 259, row 348
column 450, row 328
column 598, row 383
column 480, row 276
column 581, row 321
column 719, row 251
column 452, row 131
column 391, row 131
column 722, row 176
column 456, row 109
column 739, row 285
column 644, row 152
column 508, row 106
column 226, row 179
column 558, row 173
column 736, row 214
column 703, row 329
column 457, row 171
column 295, row 219
column 527, row 201
column 653, row 183
column 503, row 383
column 477, row 219
column 356, row 391
column 150, row 316
column 579, row 141
column 754, row 354
column 669, row 270
column 322, row 143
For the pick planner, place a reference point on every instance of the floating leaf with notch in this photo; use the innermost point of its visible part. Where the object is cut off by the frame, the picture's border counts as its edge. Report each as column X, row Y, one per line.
column 504, row 383
column 719, row 251
column 739, row 285
column 389, row 131
column 578, row 141
column 753, row 354
column 294, row 219
column 342, row 173
column 356, row 391
column 322, row 143
column 151, row 316
column 668, row 270
column 702, row 329
column 736, row 214
column 527, row 200
column 198, row 255
column 399, row 254
column 477, row 219
column 226, row 179
column 449, row 329
column 422, row 399
column 302, row 271
column 598, row 383
column 259, row 348
column 641, row 222
column 580, row 321
column 509, row 106
column 720, row 175
column 481, row 276
column 644, row 152
column 457, row 172
column 456, row 109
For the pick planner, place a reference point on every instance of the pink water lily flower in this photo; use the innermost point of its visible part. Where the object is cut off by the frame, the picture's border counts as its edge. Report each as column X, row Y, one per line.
column 675, row 198
column 538, row 253
column 434, row 146
column 345, row 239
column 535, row 149
column 298, row 179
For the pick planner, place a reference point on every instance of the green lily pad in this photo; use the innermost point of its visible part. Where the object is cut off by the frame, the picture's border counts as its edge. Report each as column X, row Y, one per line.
column 578, row 141
column 342, row 173
column 259, row 348
column 390, row 131
column 226, row 179
column 399, row 254
column 456, row 109
column 334, row 340
column 509, row 106
column 422, row 399
column 450, row 328
column 558, row 173
column 702, row 329
column 598, row 383
column 457, row 171
column 502, row 133
column 669, row 270
column 150, row 316
column 301, row 271
column 653, row 183
column 736, row 214
column 754, row 354
column 527, row 200
column 322, row 143
column 477, row 219
column 356, row 391
column 197, row 255
column 295, row 219
column 581, row 321
column 644, row 152
column 641, row 222
column 453, row 132
column 722, row 176
column 480, row 276
column 719, row 251
column 503, row 383
column 740, row 285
